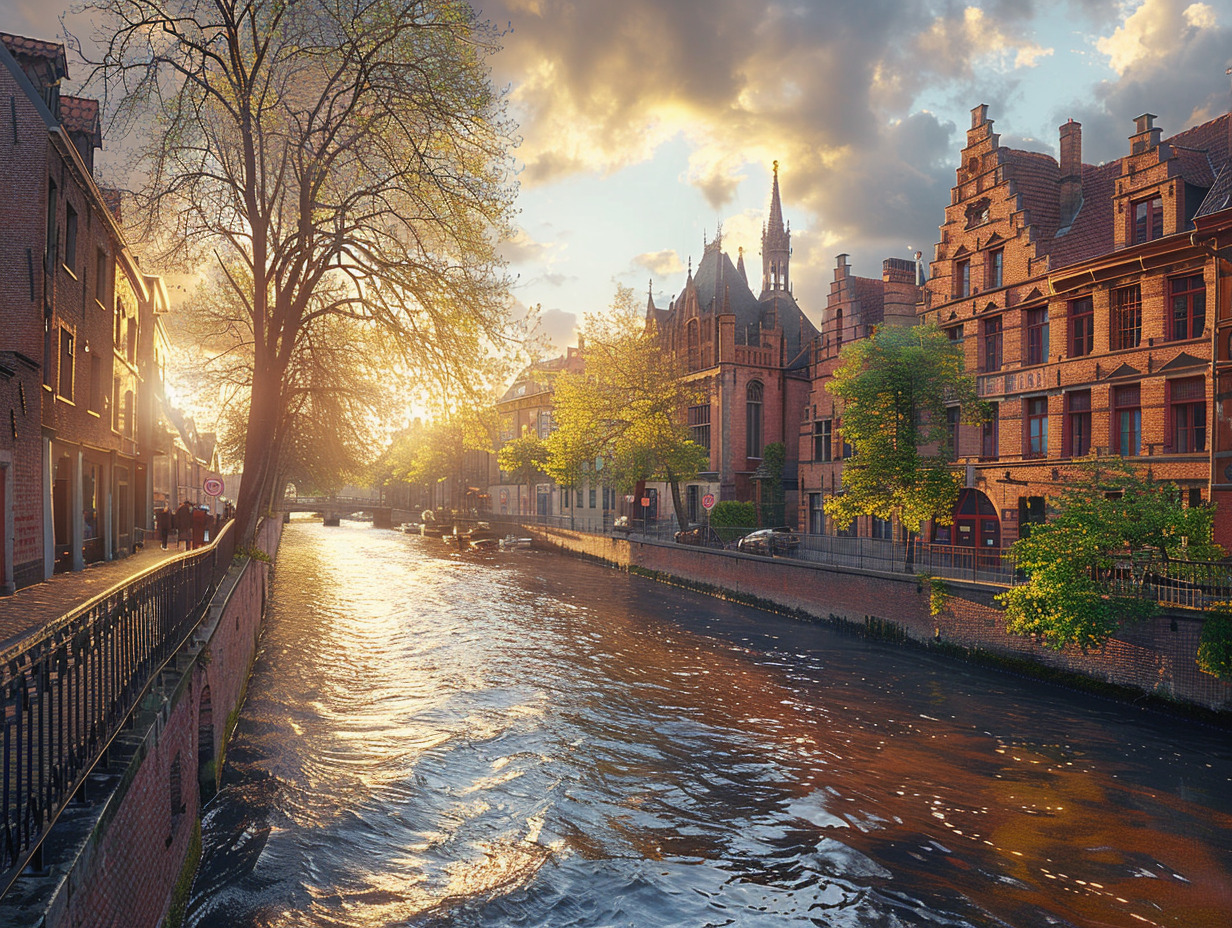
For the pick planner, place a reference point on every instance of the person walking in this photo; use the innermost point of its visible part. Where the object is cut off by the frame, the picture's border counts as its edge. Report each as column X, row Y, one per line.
column 162, row 521
column 183, row 525
column 199, row 518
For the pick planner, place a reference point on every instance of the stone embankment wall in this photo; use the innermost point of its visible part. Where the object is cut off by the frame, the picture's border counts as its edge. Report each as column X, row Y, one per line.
column 139, row 833
column 1154, row 657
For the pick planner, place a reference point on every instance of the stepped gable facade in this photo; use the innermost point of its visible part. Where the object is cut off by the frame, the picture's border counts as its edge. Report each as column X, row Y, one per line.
column 1086, row 299
column 750, row 353
column 855, row 306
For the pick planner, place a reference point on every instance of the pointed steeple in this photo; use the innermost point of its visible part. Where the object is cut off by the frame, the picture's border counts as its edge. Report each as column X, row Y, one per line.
column 650, row 307
column 775, row 244
column 740, row 265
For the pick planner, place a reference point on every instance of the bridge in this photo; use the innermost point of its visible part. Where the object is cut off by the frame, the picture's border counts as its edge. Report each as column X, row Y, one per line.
column 333, row 507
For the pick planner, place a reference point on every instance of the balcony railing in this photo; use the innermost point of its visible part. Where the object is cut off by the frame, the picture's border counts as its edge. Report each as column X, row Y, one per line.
column 68, row 690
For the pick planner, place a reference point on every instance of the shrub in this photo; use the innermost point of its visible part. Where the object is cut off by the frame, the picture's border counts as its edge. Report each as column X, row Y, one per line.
column 731, row 519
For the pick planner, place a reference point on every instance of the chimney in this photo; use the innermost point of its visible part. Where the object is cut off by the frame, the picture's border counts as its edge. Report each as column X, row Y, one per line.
column 979, row 115
column 1071, row 173
column 1145, row 136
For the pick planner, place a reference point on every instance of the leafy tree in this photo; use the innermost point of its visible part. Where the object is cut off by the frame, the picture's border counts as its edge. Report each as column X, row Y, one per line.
column 627, row 408
column 731, row 519
column 1075, row 562
column 522, row 458
column 896, row 386
column 772, row 503
column 1215, row 647
column 340, row 158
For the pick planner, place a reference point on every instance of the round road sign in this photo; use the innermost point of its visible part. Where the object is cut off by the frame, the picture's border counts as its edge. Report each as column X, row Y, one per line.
column 708, row 501
column 213, row 486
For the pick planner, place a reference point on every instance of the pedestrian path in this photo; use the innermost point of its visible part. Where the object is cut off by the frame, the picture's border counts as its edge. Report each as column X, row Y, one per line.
column 31, row 608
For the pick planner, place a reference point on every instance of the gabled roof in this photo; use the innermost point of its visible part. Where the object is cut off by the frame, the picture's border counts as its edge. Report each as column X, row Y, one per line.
column 1124, row 371
column 80, row 114
column 35, row 48
column 1183, row 361
column 1219, row 197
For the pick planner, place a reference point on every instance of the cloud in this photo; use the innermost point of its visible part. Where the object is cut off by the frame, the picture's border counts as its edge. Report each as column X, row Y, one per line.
column 558, row 326
column 660, row 263
column 1169, row 56
column 522, row 249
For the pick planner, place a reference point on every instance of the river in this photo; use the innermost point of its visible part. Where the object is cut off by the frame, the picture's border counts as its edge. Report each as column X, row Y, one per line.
column 435, row 739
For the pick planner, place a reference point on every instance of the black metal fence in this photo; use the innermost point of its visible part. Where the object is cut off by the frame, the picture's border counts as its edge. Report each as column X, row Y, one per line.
column 70, row 689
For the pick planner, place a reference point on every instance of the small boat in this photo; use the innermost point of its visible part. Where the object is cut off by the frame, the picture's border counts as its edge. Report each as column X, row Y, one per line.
column 510, row 542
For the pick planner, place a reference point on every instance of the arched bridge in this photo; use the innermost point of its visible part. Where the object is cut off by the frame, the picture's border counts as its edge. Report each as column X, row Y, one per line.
column 336, row 504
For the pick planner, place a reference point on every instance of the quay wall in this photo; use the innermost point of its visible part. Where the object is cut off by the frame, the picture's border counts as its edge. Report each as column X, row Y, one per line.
column 1155, row 658
column 139, row 850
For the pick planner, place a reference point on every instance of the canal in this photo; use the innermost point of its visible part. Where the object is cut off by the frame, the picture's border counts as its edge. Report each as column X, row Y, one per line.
column 528, row 739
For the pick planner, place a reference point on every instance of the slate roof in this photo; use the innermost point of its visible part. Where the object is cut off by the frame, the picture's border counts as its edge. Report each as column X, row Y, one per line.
column 1219, row 197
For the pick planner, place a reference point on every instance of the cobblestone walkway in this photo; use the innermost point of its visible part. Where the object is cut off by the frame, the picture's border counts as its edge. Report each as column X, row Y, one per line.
column 33, row 607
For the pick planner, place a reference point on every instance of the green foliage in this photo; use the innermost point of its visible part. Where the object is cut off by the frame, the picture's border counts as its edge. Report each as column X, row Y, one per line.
column 896, row 386
column 731, row 519
column 1076, row 562
column 627, row 408
column 938, row 594
column 772, row 505
column 1215, row 647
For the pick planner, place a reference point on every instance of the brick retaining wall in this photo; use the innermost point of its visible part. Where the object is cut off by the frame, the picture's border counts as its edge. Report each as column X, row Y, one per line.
column 1155, row 657
column 118, row 859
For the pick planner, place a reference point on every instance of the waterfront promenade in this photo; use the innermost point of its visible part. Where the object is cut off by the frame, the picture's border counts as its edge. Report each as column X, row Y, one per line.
column 31, row 608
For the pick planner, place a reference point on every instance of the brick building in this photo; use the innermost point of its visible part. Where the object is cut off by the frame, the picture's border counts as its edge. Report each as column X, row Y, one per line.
column 750, row 353
column 1084, row 303
column 74, row 306
column 854, row 307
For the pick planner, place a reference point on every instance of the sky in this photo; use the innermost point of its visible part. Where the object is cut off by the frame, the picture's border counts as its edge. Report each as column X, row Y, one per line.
column 644, row 124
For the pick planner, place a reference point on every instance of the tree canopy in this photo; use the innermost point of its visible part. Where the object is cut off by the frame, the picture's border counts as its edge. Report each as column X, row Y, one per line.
column 627, row 408
column 896, row 387
column 1076, row 562
column 338, row 158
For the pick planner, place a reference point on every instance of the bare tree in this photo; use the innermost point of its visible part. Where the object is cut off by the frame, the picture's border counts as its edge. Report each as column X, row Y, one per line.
column 341, row 159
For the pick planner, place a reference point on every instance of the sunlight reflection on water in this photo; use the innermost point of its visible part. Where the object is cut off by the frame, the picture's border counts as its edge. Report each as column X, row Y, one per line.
column 433, row 739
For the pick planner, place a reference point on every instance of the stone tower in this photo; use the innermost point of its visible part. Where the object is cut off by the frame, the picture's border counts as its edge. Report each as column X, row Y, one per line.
column 775, row 245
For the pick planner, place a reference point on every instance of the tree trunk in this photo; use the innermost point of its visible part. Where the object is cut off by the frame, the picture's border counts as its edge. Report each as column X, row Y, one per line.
column 259, row 454
column 682, row 515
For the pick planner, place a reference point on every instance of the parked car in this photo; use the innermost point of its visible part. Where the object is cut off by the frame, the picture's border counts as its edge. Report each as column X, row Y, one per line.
column 769, row 541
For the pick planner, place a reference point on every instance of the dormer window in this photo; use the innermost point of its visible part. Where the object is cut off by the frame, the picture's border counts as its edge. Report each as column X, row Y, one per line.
column 1148, row 220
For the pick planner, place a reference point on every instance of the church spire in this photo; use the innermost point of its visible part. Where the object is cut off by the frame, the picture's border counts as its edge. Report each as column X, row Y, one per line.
column 775, row 244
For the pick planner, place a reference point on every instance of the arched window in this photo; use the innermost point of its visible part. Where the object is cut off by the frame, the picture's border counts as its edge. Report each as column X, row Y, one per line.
column 694, row 358
column 752, row 433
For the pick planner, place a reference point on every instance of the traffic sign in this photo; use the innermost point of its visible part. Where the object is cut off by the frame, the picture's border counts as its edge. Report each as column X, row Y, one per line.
column 645, row 501
column 708, row 501
column 213, row 486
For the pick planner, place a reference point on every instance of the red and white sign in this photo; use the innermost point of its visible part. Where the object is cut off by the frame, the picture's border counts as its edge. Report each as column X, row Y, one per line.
column 213, row 486
column 645, row 501
column 708, row 501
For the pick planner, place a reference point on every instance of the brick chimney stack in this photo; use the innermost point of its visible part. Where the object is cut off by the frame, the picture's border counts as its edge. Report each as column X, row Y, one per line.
column 1071, row 172
column 1146, row 135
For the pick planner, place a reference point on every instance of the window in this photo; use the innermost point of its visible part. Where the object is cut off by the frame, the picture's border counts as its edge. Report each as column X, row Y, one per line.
column 1036, row 419
column 816, row 515
column 823, row 435
column 1078, row 423
column 70, row 237
column 883, row 529
column 100, row 276
column 1037, row 335
column 952, row 415
column 996, row 264
column 699, row 425
column 977, row 212
column 1187, row 414
column 49, row 246
column 955, row 333
column 64, row 386
column 992, row 344
column 694, row 353
column 1127, row 420
column 1188, row 303
column 115, row 404
column 1126, row 318
column 838, row 328
column 118, row 318
column 593, row 497
column 544, row 423
column 752, row 425
column 988, row 435
column 130, row 417
column 962, row 278
column 96, row 382
column 1081, row 327
column 1148, row 220
column 131, row 350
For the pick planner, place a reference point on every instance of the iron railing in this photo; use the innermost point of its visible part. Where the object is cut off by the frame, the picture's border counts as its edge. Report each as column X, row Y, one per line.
column 69, row 689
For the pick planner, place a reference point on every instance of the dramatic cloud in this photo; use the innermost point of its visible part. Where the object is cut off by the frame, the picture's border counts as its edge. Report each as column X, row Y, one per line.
column 1170, row 57
column 660, row 263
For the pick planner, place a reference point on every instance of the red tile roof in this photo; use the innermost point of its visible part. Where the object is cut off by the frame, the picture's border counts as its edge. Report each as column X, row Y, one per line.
column 80, row 114
column 19, row 44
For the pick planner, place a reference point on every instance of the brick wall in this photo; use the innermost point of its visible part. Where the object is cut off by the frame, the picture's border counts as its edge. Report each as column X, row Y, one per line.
column 128, row 868
column 1156, row 656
